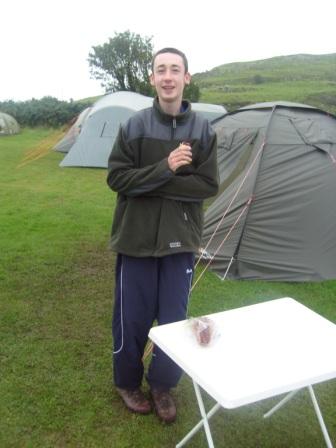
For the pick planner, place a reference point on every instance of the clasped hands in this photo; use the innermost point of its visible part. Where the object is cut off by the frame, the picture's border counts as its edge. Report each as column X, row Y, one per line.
column 180, row 156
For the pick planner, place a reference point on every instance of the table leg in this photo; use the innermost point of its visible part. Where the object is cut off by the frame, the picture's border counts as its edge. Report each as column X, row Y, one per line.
column 204, row 422
column 316, row 407
column 281, row 403
column 320, row 418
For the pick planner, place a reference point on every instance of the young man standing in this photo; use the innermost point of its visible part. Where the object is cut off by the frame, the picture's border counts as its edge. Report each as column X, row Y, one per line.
column 163, row 164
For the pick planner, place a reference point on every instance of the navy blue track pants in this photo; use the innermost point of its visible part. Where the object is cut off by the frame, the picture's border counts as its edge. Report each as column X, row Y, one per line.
column 148, row 289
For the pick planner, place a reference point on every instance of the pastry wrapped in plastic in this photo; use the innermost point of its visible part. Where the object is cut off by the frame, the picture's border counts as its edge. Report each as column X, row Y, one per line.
column 203, row 329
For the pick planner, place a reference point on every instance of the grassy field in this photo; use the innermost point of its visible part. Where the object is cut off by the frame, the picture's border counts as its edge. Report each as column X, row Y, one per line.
column 56, row 277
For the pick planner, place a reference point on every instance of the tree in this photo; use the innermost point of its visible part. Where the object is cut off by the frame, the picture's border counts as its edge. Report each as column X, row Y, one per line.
column 123, row 63
column 192, row 92
column 258, row 79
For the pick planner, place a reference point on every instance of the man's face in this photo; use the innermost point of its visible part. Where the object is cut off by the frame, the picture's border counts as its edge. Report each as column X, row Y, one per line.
column 169, row 77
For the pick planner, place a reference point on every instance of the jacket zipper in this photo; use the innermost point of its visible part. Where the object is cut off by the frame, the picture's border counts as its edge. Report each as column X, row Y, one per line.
column 185, row 216
column 173, row 128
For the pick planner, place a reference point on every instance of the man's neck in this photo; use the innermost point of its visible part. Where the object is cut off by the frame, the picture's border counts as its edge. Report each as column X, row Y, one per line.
column 171, row 108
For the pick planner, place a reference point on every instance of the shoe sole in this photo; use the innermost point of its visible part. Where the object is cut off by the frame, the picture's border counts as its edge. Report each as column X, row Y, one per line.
column 137, row 412
column 134, row 411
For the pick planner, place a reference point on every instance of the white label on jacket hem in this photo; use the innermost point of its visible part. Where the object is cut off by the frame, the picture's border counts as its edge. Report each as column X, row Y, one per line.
column 175, row 244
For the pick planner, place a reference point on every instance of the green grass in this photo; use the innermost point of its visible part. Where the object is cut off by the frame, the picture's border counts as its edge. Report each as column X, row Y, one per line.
column 56, row 277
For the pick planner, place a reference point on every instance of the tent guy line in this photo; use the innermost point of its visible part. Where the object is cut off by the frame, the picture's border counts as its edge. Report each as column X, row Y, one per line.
column 249, row 202
column 204, row 251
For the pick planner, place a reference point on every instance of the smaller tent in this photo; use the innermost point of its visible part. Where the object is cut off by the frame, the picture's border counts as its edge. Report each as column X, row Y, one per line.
column 99, row 130
column 70, row 137
column 8, row 125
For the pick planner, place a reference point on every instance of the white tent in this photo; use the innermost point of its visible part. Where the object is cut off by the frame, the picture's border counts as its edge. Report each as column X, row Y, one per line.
column 8, row 124
column 94, row 143
column 65, row 144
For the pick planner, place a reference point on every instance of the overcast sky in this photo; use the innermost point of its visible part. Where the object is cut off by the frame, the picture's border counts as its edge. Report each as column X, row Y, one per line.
column 45, row 44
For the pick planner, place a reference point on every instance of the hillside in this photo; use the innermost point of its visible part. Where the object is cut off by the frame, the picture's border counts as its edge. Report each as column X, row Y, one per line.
column 302, row 78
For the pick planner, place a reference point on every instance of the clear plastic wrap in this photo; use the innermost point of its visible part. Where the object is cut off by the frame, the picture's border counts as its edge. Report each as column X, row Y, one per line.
column 203, row 329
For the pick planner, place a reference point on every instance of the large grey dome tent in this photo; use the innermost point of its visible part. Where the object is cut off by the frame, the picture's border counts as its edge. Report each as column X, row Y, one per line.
column 275, row 215
column 65, row 144
column 94, row 143
column 8, row 125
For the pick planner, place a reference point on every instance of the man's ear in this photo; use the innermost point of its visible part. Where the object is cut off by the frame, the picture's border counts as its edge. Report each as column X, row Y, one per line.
column 151, row 79
column 187, row 78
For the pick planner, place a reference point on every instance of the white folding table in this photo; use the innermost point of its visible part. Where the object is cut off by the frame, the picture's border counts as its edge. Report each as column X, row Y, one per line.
column 260, row 351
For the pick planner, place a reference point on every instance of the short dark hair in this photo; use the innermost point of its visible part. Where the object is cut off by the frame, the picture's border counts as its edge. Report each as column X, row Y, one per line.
column 171, row 50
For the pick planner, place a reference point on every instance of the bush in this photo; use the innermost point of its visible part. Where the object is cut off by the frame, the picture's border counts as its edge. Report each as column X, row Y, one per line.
column 258, row 79
column 48, row 111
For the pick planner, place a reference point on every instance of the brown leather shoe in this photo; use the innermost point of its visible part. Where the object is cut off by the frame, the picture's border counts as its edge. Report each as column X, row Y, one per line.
column 164, row 405
column 135, row 400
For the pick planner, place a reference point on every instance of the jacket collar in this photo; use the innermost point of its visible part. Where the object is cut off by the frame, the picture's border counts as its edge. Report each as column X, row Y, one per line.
column 182, row 116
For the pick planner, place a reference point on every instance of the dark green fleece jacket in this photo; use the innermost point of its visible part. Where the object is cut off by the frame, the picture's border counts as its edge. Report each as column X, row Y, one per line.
column 159, row 212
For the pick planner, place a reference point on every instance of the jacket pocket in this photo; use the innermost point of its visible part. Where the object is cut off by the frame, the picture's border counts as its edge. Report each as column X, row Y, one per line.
column 192, row 216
